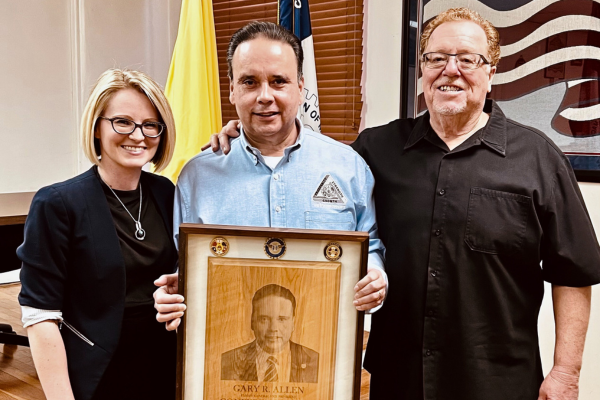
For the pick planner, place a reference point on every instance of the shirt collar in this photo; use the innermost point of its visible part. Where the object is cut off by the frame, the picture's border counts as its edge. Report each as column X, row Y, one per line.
column 255, row 153
column 493, row 135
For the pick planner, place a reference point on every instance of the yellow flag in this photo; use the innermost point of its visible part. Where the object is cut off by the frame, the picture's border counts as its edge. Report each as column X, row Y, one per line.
column 193, row 83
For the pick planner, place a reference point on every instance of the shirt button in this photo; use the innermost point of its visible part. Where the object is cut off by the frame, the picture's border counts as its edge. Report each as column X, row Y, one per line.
column 434, row 273
column 430, row 313
column 438, row 232
column 442, row 192
column 277, row 209
column 276, row 177
column 427, row 353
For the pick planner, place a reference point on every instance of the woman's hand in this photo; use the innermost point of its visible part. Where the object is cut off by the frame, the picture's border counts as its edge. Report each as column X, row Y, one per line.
column 167, row 302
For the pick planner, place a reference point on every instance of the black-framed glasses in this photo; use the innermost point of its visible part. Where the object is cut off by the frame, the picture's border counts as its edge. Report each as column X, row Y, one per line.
column 464, row 61
column 126, row 126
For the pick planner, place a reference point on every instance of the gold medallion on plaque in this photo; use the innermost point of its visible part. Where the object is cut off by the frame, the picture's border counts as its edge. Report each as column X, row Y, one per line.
column 333, row 251
column 275, row 248
column 219, row 246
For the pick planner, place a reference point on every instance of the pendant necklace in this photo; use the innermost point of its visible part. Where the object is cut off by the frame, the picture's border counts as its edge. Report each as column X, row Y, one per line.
column 140, row 233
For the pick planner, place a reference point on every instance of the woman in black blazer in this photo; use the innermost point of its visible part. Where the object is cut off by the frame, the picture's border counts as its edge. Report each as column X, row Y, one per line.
column 94, row 245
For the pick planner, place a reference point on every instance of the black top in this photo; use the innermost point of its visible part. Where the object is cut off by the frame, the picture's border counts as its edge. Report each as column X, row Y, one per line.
column 144, row 259
column 72, row 261
column 465, row 231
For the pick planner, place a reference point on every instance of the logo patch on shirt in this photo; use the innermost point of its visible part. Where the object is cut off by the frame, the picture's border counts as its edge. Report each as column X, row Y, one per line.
column 329, row 192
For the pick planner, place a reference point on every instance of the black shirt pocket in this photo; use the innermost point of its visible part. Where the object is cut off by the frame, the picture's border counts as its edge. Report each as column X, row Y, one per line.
column 496, row 221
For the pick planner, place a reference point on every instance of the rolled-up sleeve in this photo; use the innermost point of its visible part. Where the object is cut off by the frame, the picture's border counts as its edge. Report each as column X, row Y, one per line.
column 570, row 250
column 44, row 252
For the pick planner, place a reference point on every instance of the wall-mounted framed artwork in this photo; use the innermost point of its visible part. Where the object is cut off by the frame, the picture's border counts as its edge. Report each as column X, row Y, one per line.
column 269, row 313
column 549, row 74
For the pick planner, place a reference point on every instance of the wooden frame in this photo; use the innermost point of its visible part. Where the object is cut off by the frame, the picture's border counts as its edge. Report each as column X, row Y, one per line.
column 530, row 92
column 221, row 335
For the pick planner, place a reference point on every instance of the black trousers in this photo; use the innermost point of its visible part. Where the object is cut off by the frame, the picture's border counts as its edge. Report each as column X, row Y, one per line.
column 383, row 387
column 144, row 364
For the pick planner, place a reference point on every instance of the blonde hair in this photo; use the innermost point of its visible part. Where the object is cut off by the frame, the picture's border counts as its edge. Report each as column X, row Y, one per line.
column 110, row 82
column 465, row 14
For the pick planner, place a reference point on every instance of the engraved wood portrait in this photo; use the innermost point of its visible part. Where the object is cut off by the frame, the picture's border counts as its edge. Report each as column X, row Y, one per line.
column 271, row 328
column 272, row 356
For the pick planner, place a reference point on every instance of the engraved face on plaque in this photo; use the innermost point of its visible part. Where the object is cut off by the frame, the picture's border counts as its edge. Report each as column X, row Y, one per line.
column 272, row 356
column 271, row 329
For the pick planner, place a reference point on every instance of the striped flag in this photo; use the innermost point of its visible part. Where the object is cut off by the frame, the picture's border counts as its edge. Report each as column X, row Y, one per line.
column 549, row 73
column 294, row 15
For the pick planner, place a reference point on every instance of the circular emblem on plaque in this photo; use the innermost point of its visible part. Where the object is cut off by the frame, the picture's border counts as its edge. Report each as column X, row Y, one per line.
column 333, row 251
column 275, row 247
column 219, row 246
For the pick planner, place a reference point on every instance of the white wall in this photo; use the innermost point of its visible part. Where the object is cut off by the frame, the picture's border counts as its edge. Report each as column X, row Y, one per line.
column 381, row 62
column 36, row 101
column 52, row 53
column 381, row 92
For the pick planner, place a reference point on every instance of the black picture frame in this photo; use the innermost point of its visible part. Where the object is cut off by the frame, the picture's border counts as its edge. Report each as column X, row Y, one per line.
column 585, row 166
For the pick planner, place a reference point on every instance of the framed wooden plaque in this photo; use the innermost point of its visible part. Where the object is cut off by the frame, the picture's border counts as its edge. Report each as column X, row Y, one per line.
column 269, row 313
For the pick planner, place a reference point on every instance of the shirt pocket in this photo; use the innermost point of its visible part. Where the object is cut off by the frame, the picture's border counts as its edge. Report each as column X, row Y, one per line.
column 496, row 221
column 334, row 221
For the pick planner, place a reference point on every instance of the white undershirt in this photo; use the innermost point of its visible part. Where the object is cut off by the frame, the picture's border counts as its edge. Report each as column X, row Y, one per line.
column 272, row 161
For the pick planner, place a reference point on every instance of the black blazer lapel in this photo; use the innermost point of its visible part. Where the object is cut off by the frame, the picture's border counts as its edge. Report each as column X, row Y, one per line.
column 102, row 230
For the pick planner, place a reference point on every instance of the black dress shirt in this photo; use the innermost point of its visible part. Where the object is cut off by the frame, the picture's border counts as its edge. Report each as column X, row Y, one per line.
column 465, row 232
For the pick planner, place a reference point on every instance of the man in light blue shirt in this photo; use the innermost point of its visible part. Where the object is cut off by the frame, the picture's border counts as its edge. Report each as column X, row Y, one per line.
column 317, row 184
column 277, row 174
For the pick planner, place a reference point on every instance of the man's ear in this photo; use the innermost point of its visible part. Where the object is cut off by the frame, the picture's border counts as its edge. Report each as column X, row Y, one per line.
column 301, row 88
column 491, row 77
column 231, row 93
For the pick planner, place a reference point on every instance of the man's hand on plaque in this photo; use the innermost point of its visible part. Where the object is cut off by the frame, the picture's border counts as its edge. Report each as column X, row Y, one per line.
column 167, row 302
column 221, row 140
column 370, row 290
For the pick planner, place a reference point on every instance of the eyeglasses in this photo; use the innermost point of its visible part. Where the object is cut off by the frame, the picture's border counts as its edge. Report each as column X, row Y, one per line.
column 126, row 126
column 464, row 61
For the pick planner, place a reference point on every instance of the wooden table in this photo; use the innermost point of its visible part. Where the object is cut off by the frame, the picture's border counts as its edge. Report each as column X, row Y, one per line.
column 13, row 212
column 14, row 207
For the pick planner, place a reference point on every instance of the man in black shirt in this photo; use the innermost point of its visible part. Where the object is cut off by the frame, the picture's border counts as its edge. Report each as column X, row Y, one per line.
column 476, row 212
column 468, row 205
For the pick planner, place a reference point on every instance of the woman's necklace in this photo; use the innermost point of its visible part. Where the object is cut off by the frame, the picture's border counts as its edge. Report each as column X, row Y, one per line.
column 140, row 234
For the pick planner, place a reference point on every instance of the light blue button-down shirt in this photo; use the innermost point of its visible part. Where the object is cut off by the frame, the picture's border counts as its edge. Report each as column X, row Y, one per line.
column 318, row 184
